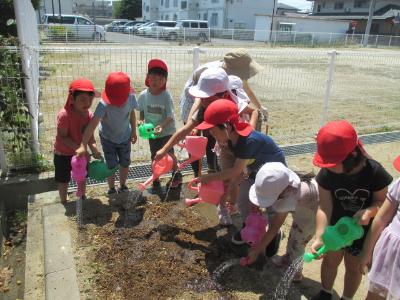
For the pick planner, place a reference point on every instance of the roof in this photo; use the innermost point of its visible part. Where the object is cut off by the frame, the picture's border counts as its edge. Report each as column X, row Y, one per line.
column 287, row 7
column 385, row 12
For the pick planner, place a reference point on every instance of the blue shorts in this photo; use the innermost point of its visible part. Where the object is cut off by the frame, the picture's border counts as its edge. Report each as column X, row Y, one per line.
column 116, row 154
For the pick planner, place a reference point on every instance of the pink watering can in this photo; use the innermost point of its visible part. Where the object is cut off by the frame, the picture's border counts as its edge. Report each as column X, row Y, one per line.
column 210, row 192
column 159, row 167
column 196, row 147
column 79, row 172
column 252, row 232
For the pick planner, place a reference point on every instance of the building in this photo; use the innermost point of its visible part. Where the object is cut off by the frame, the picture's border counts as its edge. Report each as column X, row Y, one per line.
column 386, row 19
column 56, row 7
column 219, row 13
column 283, row 8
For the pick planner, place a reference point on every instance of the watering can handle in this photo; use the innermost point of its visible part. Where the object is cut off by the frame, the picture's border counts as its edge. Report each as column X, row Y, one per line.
column 192, row 182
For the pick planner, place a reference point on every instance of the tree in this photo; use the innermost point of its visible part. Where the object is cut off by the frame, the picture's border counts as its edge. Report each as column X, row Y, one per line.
column 129, row 9
column 7, row 27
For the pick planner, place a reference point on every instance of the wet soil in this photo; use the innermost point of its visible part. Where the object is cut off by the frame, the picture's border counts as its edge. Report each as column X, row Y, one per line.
column 12, row 261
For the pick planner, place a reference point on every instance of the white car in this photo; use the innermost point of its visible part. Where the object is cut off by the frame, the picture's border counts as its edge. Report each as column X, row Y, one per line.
column 72, row 27
column 188, row 29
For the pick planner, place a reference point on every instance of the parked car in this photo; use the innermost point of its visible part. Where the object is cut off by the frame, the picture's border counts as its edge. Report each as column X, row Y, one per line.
column 156, row 28
column 188, row 29
column 142, row 29
column 113, row 26
column 72, row 26
column 128, row 27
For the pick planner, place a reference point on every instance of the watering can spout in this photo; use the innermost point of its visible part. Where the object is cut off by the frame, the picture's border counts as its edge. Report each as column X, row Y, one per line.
column 196, row 147
column 160, row 167
column 190, row 202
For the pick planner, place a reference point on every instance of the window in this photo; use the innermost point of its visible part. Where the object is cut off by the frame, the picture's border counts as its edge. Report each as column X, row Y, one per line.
column 185, row 24
column 339, row 5
column 161, row 2
column 360, row 3
column 175, row 3
column 203, row 25
column 205, row 16
column 166, row 3
column 285, row 27
column 194, row 25
column 319, row 8
column 184, row 5
column 62, row 20
column 166, row 17
column 82, row 21
column 175, row 17
column 214, row 1
column 147, row 8
column 214, row 19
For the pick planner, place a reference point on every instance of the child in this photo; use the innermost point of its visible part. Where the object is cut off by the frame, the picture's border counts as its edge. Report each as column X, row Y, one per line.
column 251, row 149
column 352, row 184
column 155, row 105
column 71, row 122
column 384, row 276
column 116, row 115
column 281, row 191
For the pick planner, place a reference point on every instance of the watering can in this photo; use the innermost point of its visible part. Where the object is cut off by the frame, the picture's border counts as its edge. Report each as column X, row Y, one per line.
column 338, row 236
column 146, row 131
column 99, row 171
column 196, row 147
column 159, row 167
column 210, row 192
column 79, row 172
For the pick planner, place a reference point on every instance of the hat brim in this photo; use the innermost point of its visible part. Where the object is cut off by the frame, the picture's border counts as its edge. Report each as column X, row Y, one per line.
column 204, row 125
column 244, row 73
column 260, row 201
column 116, row 101
column 197, row 93
column 243, row 129
column 396, row 163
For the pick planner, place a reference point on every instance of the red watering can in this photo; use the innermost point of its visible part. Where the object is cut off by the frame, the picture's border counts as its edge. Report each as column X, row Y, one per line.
column 210, row 192
column 159, row 167
column 79, row 172
column 252, row 232
column 196, row 147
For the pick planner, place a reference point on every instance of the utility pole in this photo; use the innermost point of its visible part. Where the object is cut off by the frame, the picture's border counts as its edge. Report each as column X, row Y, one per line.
column 369, row 23
column 272, row 19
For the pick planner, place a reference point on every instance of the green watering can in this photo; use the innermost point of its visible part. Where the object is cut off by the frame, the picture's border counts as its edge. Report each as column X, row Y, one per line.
column 99, row 171
column 146, row 131
column 338, row 236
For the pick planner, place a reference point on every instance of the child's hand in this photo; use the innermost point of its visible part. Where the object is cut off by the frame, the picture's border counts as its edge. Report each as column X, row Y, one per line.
column 315, row 247
column 363, row 216
column 252, row 256
column 194, row 132
column 204, row 179
column 80, row 151
column 140, row 122
column 364, row 262
column 97, row 155
column 133, row 137
column 158, row 129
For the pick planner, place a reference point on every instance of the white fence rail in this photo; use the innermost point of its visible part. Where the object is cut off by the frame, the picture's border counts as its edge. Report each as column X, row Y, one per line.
column 211, row 36
column 300, row 87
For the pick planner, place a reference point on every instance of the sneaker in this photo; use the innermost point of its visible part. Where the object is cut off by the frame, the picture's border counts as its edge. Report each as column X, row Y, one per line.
column 123, row 189
column 224, row 217
column 112, row 191
column 237, row 239
column 175, row 181
column 322, row 295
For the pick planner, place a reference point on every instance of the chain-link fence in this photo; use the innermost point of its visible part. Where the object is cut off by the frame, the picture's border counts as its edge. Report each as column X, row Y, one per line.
column 72, row 33
column 302, row 88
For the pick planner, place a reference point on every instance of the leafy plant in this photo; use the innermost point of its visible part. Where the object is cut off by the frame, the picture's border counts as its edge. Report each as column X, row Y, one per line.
column 59, row 32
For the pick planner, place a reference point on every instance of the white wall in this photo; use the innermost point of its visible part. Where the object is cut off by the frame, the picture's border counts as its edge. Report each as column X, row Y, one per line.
column 66, row 7
column 349, row 6
column 243, row 11
column 262, row 28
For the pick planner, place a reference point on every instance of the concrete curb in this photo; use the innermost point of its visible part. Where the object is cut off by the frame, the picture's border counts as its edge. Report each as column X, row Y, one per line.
column 50, row 268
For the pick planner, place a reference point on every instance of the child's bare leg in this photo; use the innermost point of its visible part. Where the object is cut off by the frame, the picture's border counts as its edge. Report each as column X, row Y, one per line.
column 329, row 266
column 63, row 191
column 123, row 175
column 352, row 276
column 111, row 181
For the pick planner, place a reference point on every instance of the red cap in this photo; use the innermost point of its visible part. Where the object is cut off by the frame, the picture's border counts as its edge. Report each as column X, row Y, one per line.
column 335, row 141
column 117, row 89
column 221, row 111
column 156, row 63
column 396, row 163
column 81, row 84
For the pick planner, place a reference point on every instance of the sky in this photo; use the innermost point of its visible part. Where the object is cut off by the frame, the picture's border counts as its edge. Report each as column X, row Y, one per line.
column 302, row 4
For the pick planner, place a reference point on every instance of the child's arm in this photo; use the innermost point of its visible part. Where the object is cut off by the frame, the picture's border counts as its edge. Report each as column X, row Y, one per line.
column 65, row 139
column 93, row 147
column 87, row 134
column 382, row 219
column 365, row 215
column 251, row 95
column 253, row 115
column 324, row 213
column 132, row 120
column 141, row 117
column 159, row 128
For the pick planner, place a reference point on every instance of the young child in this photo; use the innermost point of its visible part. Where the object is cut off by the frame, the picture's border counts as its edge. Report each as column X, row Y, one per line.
column 384, row 277
column 156, row 107
column 351, row 184
column 71, row 122
column 280, row 191
column 116, row 115
column 251, row 149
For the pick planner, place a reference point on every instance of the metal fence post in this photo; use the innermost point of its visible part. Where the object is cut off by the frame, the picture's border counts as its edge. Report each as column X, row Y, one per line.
column 312, row 39
column 345, row 41
column 330, row 38
column 376, row 40
column 233, row 32
column 3, row 160
column 390, row 41
column 196, row 57
column 333, row 54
